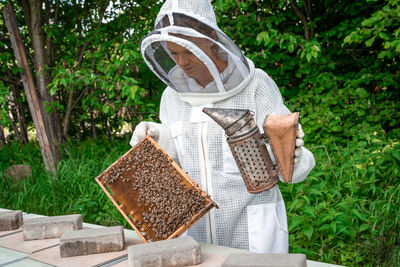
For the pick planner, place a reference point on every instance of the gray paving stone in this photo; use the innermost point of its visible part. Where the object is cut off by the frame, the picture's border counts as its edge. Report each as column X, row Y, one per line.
column 182, row 251
column 10, row 220
column 51, row 227
column 92, row 241
column 265, row 260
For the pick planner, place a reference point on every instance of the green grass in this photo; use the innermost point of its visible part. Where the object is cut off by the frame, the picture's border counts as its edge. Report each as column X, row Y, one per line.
column 74, row 190
column 346, row 212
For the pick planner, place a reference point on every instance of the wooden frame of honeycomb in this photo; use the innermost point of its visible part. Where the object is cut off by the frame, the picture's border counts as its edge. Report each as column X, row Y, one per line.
column 157, row 198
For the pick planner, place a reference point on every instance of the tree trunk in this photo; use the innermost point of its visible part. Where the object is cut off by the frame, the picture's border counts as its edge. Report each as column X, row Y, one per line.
column 2, row 137
column 93, row 123
column 33, row 10
column 13, row 124
column 18, row 109
column 67, row 117
column 82, row 127
column 108, row 130
column 21, row 117
column 78, row 132
column 47, row 147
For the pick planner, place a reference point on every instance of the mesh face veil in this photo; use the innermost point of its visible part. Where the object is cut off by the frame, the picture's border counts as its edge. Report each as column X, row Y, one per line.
column 191, row 54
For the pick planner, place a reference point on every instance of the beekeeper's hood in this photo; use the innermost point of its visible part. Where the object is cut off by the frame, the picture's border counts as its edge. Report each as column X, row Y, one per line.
column 189, row 52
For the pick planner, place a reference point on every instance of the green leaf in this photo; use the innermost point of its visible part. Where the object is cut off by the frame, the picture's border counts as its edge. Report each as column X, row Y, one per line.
column 370, row 21
column 362, row 92
column 384, row 36
column 364, row 227
column 333, row 227
column 348, row 39
column 53, row 90
column 370, row 41
column 106, row 109
column 308, row 231
column 314, row 54
column 309, row 56
column 382, row 54
column 294, row 204
column 396, row 154
column 309, row 212
column 315, row 48
column 358, row 215
column 325, row 227
column 291, row 47
column 294, row 222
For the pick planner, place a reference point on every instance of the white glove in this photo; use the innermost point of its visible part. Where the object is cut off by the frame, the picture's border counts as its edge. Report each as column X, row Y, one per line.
column 159, row 132
column 299, row 143
column 144, row 128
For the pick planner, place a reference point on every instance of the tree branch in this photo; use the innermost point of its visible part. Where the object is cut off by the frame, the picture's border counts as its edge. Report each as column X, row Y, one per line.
column 302, row 18
column 79, row 97
column 307, row 7
column 17, row 83
column 89, row 40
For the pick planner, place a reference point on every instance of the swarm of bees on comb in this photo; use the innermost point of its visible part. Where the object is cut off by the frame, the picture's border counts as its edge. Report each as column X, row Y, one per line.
column 157, row 198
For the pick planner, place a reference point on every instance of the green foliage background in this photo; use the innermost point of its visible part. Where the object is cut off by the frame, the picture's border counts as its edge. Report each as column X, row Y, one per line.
column 344, row 80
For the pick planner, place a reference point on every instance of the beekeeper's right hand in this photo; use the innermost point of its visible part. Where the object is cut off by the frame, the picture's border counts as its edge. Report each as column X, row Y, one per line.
column 159, row 132
column 144, row 128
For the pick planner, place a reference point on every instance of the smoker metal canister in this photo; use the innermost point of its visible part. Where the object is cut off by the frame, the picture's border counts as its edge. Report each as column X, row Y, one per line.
column 247, row 146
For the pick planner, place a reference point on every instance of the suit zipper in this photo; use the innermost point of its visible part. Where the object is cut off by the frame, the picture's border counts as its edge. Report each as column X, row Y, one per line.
column 202, row 137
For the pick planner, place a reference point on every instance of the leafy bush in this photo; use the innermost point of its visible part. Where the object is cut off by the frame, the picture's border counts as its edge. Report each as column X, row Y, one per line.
column 347, row 210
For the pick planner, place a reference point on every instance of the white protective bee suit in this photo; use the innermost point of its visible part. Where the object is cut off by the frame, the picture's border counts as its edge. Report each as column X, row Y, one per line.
column 255, row 222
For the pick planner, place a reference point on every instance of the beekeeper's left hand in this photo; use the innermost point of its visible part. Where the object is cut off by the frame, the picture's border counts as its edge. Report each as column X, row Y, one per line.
column 299, row 144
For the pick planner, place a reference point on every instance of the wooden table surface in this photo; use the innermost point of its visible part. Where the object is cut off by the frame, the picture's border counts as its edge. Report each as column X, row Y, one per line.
column 14, row 251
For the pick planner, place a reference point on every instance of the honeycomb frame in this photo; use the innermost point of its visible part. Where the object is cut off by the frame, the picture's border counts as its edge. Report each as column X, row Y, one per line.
column 118, row 186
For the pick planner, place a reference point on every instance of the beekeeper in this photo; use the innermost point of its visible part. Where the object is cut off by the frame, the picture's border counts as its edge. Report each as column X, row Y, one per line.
column 202, row 67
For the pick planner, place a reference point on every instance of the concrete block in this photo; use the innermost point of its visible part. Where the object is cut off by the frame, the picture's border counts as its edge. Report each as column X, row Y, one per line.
column 265, row 260
column 10, row 220
column 51, row 227
column 92, row 241
column 183, row 251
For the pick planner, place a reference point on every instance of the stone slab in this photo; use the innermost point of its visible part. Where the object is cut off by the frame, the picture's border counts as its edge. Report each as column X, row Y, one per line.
column 32, row 216
column 183, row 251
column 320, row 264
column 51, row 256
column 25, row 216
column 6, row 233
column 51, row 227
column 10, row 255
column 220, row 250
column 18, row 172
column 10, row 220
column 16, row 241
column 207, row 260
column 28, row 263
column 265, row 260
column 92, row 241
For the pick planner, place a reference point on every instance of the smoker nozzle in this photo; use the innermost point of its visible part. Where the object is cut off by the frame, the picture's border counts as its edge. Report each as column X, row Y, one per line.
column 235, row 122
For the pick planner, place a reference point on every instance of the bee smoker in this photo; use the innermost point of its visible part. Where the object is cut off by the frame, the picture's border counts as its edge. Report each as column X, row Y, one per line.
column 249, row 146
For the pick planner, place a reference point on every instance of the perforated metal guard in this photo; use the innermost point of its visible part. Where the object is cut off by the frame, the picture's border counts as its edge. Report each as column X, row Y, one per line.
column 155, row 196
column 253, row 161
